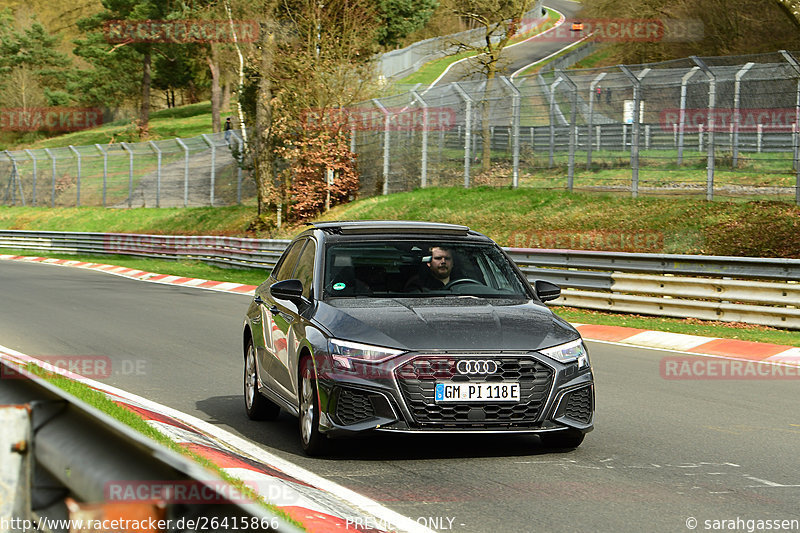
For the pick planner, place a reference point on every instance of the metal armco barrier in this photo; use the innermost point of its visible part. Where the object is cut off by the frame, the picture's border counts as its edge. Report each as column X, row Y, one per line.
column 61, row 451
column 754, row 290
column 224, row 251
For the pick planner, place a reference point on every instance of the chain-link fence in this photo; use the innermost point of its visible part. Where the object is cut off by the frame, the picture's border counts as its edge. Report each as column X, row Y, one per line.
column 715, row 126
column 197, row 171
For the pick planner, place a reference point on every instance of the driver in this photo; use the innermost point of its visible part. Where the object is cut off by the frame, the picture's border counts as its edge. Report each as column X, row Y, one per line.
column 439, row 271
column 441, row 264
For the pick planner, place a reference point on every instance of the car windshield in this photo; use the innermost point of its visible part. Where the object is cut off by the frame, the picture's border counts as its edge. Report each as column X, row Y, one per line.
column 419, row 268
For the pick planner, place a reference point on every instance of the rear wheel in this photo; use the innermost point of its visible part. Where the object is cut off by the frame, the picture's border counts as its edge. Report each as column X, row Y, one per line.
column 566, row 439
column 314, row 442
column 258, row 407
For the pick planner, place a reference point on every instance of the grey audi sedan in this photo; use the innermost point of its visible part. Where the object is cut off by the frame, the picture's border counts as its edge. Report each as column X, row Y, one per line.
column 411, row 327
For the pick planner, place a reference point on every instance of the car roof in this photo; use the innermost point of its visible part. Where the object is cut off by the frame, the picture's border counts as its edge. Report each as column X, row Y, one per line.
column 391, row 226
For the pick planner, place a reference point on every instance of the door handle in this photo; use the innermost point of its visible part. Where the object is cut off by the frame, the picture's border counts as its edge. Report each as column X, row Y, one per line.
column 274, row 310
column 258, row 300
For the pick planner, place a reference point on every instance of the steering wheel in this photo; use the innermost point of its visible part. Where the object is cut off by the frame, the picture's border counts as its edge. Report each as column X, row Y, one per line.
column 461, row 281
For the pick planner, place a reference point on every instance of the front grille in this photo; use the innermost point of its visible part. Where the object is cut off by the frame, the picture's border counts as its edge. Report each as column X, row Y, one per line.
column 417, row 379
column 353, row 406
column 579, row 405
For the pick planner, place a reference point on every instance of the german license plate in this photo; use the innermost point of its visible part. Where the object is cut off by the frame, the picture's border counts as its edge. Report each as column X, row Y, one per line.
column 448, row 391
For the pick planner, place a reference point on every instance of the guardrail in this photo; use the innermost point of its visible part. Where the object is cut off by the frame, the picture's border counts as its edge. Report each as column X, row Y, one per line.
column 61, row 455
column 754, row 290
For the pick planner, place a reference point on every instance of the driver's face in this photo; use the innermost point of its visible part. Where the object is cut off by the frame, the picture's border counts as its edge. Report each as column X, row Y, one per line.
column 441, row 263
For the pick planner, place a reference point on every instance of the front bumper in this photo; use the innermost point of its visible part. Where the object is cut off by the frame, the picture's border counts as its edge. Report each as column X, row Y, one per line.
column 398, row 396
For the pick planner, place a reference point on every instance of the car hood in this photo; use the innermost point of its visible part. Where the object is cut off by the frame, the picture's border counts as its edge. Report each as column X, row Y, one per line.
column 444, row 323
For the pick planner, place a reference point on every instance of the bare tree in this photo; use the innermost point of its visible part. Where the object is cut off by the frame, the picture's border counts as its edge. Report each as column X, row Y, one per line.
column 499, row 21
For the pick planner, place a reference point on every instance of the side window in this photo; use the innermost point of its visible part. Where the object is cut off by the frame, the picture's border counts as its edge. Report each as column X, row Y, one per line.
column 305, row 268
column 283, row 270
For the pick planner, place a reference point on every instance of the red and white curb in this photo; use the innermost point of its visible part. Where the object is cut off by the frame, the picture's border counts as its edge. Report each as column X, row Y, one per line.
column 320, row 505
column 139, row 274
column 693, row 344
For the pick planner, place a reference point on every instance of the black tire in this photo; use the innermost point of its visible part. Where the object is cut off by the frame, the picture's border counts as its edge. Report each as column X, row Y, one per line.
column 314, row 442
column 257, row 407
column 566, row 439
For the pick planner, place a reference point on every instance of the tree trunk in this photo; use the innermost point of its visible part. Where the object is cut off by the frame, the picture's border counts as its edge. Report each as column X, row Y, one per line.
column 213, row 66
column 144, row 116
column 263, row 158
column 226, row 96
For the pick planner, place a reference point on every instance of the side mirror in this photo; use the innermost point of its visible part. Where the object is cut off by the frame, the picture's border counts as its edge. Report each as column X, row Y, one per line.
column 546, row 290
column 288, row 289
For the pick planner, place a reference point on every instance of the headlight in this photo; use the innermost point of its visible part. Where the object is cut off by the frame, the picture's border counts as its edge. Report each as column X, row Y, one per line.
column 569, row 352
column 344, row 352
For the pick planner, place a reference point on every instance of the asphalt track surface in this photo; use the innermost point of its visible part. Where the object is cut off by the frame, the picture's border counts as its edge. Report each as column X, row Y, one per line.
column 521, row 55
column 663, row 451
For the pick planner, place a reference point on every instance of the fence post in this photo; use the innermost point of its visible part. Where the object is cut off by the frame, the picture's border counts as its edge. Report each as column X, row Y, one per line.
column 712, row 91
column 130, row 173
column 573, row 127
column 78, row 183
column 53, row 191
column 515, row 120
column 386, row 139
column 185, row 171
column 386, row 144
column 624, row 137
column 15, row 181
column 592, row 87
column 158, row 172
column 467, row 130
column 105, row 171
column 213, row 165
column 796, row 132
column 240, row 144
column 33, row 158
column 682, row 112
column 552, row 120
column 637, row 95
column 736, row 118
column 424, row 162
column 699, row 137
column 759, row 136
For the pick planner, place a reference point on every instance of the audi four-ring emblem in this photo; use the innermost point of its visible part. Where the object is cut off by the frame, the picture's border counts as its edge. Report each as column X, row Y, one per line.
column 476, row 366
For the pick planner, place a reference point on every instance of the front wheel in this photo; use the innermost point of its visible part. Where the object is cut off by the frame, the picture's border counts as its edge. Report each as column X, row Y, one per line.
column 565, row 439
column 314, row 442
column 257, row 407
